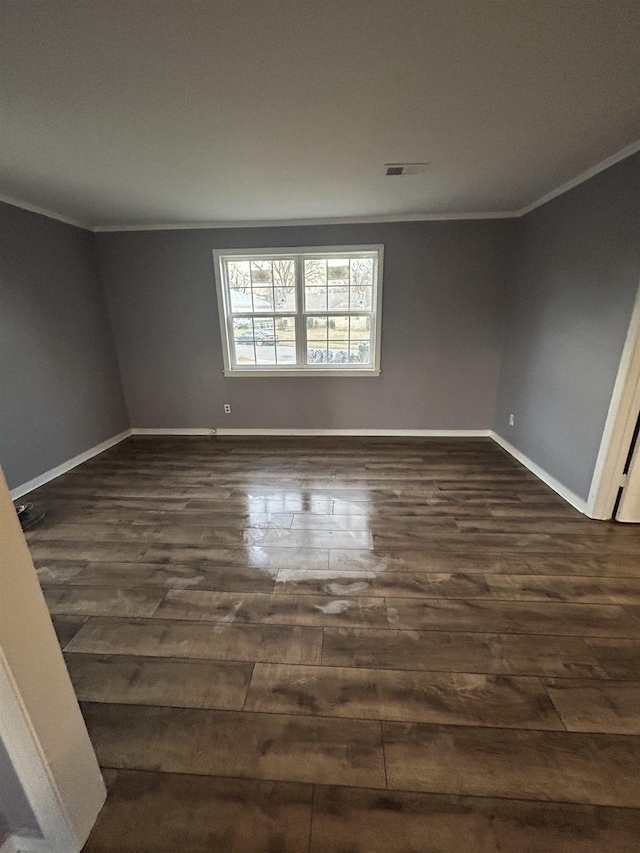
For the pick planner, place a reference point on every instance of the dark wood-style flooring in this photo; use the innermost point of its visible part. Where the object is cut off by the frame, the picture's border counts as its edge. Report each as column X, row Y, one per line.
column 346, row 646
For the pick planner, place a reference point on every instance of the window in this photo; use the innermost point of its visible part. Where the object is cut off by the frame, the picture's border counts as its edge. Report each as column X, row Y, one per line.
column 300, row 311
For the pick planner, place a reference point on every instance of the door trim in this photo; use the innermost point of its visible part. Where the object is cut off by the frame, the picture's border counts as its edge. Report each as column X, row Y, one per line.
column 619, row 426
column 33, row 772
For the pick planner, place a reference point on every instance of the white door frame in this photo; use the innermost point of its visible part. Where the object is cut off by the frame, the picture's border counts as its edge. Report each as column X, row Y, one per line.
column 34, row 774
column 619, row 426
column 41, row 726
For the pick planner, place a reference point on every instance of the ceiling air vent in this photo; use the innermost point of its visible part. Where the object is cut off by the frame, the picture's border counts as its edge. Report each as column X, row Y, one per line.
column 397, row 169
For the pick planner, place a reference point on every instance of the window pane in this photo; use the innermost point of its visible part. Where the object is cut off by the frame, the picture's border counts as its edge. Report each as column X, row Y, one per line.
column 317, row 350
column 341, row 339
column 315, row 272
column 241, row 300
column 263, row 299
column 244, row 341
column 317, row 355
column 261, row 272
column 360, row 338
column 285, row 299
column 238, row 272
column 265, row 340
column 361, row 272
column 285, row 340
column 361, row 298
column 360, row 327
column 315, row 298
column 338, row 328
column 338, row 297
column 284, row 272
column 364, row 350
column 338, row 269
column 317, row 329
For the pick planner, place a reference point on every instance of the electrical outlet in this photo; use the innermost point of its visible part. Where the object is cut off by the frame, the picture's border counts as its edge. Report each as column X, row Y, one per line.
column 511, row 420
column 227, row 408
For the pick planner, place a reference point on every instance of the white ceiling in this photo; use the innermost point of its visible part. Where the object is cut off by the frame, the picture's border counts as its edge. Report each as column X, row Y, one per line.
column 170, row 111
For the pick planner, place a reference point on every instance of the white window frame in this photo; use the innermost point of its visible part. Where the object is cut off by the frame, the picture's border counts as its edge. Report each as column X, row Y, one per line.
column 220, row 256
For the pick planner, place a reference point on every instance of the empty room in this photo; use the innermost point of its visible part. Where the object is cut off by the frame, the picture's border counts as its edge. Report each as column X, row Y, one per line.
column 319, row 416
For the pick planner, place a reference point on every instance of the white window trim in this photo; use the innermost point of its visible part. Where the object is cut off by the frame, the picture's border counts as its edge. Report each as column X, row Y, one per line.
column 297, row 370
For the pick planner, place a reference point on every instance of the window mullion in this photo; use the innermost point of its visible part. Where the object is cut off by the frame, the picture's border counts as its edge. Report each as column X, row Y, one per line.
column 301, row 323
column 231, row 343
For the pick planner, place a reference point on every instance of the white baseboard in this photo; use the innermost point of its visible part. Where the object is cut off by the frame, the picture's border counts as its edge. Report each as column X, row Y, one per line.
column 19, row 491
column 203, row 431
column 47, row 476
column 543, row 475
column 400, row 433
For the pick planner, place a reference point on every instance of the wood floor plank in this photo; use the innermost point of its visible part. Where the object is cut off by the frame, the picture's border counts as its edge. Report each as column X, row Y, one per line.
column 258, row 557
column 102, row 601
column 237, row 744
column 311, row 521
column 547, row 524
column 406, row 510
column 604, row 565
column 58, row 571
column 612, row 707
column 462, row 699
column 620, row 658
column 634, row 610
column 272, row 609
column 361, row 821
column 149, row 812
column 214, row 641
column 186, row 519
column 569, row 767
column 374, row 523
column 85, row 552
column 585, row 590
column 174, row 576
column 272, row 502
column 525, row 543
column 520, row 617
column 66, row 627
column 425, row 560
column 138, row 533
column 66, row 508
column 396, row 584
column 445, row 651
column 309, row 538
column 159, row 681
column 451, row 585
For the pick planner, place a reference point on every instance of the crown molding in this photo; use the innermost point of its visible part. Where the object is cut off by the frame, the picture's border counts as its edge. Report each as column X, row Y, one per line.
column 591, row 172
column 43, row 211
column 284, row 223
column 625, row 152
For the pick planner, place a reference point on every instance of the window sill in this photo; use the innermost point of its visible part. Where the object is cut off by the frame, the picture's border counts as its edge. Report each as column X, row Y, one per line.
column 281, row 374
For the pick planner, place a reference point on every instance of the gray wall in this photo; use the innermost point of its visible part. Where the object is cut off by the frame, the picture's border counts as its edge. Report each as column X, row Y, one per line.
column 578, row 271
column 558, row 286
column 60, row 388
column 441, row 330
